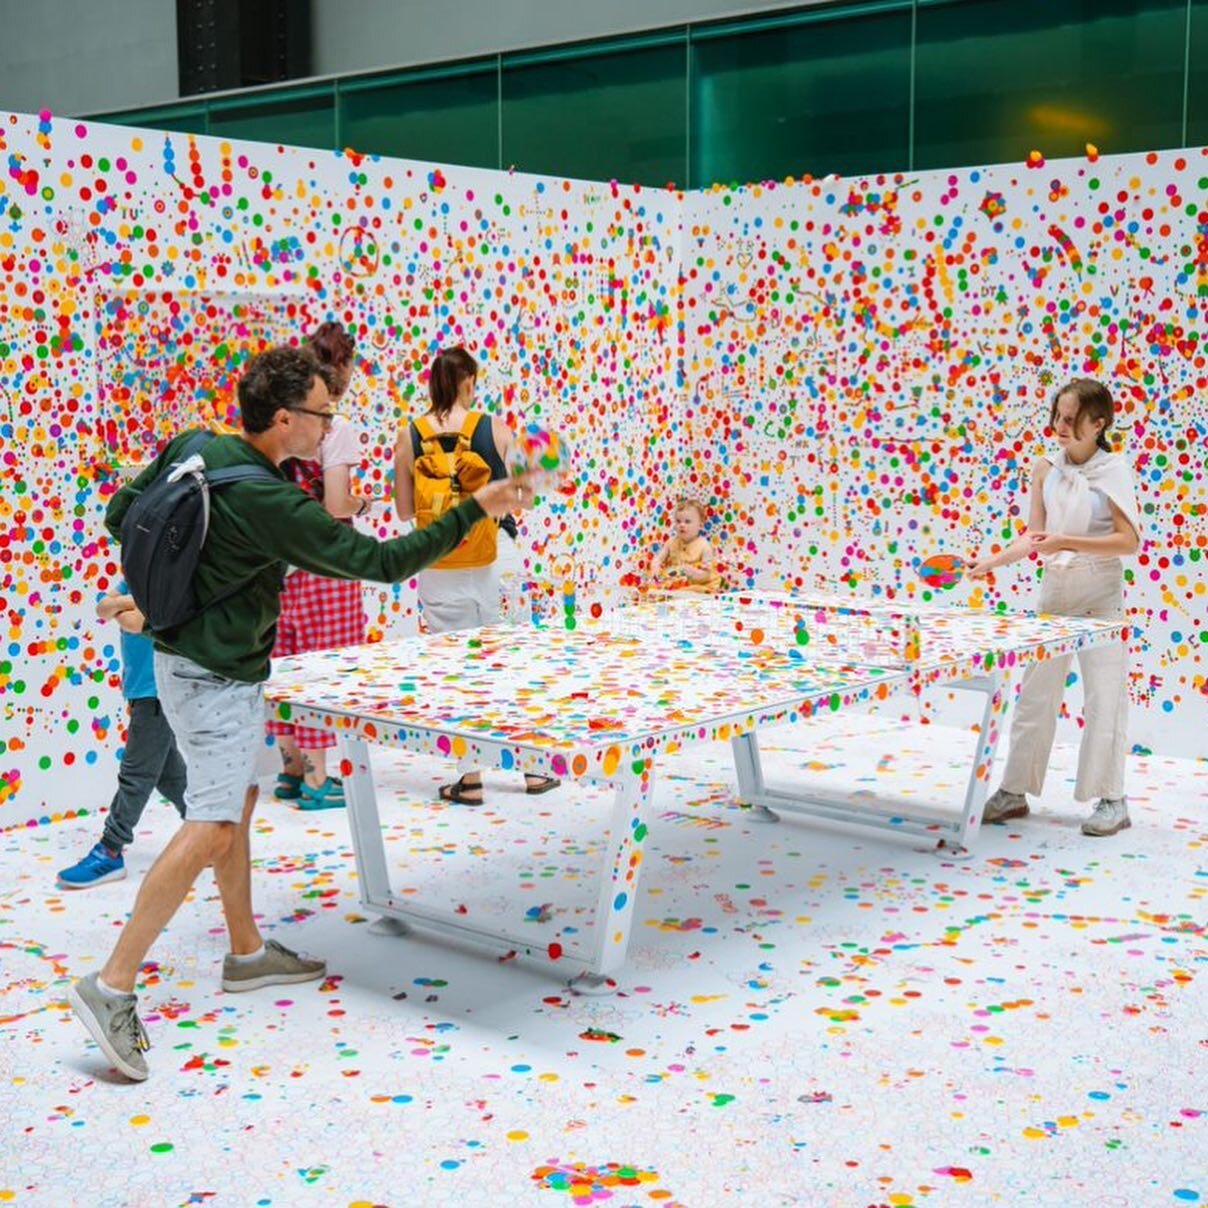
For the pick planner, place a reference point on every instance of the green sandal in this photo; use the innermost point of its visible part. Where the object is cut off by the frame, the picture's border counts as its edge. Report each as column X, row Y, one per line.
column 328, row 796
column 289, row 787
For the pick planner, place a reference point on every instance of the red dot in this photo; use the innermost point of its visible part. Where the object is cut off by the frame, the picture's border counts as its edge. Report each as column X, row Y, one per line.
column 555, row 950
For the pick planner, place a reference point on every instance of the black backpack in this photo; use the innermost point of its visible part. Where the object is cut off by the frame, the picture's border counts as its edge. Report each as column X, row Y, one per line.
column 164, row 529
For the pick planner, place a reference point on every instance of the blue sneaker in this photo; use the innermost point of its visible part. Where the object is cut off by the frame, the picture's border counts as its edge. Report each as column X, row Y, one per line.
column 97, row 867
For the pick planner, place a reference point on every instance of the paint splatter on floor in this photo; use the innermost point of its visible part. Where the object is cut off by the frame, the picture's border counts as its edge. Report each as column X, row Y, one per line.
column 810, row 1014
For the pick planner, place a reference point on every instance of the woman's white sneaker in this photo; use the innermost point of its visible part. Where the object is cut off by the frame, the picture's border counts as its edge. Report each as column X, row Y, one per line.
column 1003, row 806
column 1109, row 816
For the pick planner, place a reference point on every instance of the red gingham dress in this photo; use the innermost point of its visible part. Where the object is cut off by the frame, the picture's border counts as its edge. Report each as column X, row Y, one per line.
column 317, row 613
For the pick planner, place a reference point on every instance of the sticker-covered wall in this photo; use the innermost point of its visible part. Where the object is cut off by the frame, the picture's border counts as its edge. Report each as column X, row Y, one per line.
column 140, row 270
column 869, row 367
column 854, row 375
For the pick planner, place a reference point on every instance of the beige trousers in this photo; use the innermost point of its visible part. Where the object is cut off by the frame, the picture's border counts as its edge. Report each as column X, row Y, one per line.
column 1087, row 587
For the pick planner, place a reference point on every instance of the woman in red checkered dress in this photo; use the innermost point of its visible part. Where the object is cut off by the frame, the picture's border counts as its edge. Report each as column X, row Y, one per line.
column 319, row 613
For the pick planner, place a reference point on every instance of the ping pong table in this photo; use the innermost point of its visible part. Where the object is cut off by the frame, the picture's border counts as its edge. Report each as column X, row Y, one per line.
column 604, row 701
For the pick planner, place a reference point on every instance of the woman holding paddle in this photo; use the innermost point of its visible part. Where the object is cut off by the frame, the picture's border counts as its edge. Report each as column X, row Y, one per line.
column 1082, row 521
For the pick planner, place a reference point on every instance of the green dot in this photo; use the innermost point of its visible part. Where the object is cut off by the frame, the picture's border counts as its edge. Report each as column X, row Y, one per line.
column 162, row 1147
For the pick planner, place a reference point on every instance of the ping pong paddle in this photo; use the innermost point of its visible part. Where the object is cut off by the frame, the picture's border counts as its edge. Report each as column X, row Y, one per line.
column 942, row 570
column 542, row 454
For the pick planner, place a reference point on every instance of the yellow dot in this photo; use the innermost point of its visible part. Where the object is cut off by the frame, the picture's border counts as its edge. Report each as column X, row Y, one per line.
column 459, row 747
column 139, row 1121
column 518, row 1134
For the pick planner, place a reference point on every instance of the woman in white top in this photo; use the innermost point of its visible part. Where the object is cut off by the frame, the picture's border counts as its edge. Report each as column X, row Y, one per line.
column 1082, row 521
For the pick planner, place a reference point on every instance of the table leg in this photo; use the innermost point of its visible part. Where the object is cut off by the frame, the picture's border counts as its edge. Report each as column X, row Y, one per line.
column 619, row 875
column 366, row 826
column 999, row 697
column 749, row 769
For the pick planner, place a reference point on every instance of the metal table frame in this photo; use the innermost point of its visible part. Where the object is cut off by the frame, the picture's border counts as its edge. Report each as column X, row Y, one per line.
column 626, row 763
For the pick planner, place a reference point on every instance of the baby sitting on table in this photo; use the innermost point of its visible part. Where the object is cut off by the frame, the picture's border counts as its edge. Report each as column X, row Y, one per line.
column 686, row 562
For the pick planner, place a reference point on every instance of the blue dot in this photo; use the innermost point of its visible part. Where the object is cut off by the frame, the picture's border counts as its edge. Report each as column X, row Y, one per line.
column 1187, row 1195
column 506, row 760
column 618, row 903
column 450, row 1164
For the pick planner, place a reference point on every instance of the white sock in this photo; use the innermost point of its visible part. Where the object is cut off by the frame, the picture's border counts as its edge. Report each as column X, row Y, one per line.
column 108, row 991
column 245, row 958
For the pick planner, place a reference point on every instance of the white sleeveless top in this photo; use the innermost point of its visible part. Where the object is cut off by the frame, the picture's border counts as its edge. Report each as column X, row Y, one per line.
column 1099, row 522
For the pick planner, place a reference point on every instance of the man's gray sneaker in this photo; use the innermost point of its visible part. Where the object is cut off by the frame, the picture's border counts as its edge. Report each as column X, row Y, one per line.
column 276, row 966
column 1109, row 816
column 113, row 1023
column 1003, row 806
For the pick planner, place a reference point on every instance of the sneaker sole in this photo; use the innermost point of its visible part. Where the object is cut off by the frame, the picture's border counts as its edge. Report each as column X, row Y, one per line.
column 1107, row 834
column 270, row 979
column 118, row 874
column 1008, row 816
column 89, row 1020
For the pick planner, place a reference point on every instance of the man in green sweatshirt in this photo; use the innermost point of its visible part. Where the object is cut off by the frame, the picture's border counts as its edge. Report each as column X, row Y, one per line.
column 211, row 671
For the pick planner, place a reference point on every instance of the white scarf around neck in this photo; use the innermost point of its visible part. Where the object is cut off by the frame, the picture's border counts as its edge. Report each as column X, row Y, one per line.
column 1068, row 502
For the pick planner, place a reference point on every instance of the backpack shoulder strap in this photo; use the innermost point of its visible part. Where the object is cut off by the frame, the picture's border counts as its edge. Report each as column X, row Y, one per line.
column 229, row 474
column 199, row 438
column 423, row 426
column 431, row 447
column 194, row 444
column 466, row 435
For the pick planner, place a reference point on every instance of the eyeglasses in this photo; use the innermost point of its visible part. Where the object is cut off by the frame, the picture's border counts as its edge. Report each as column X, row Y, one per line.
column 326, row 416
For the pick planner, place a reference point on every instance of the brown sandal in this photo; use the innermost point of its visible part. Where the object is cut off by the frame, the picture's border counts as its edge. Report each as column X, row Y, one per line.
column 543, row 784
column 458, row 793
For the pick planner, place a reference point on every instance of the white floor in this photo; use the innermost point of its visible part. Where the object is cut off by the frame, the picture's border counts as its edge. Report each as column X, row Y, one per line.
column 810, row 1015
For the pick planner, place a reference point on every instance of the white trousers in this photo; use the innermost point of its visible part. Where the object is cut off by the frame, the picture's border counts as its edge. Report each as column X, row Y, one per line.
column 1086, row 587
column 459, row 599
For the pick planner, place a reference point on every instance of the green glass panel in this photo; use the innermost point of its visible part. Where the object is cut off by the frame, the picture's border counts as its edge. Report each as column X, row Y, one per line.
column 298, row 122
column 185, row 121
column 605, row 116
column 1197, row 84
column 996, row 79
column 829, row 95
column 448, row 120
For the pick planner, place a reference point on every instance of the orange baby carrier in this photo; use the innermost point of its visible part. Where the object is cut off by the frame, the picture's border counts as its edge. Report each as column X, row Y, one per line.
column 442, row 480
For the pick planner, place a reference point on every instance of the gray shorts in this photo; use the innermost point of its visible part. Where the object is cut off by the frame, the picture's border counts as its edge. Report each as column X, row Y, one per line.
column 219, row 728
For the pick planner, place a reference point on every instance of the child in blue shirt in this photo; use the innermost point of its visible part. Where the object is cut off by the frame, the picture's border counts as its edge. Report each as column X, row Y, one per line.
column 150, row 760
